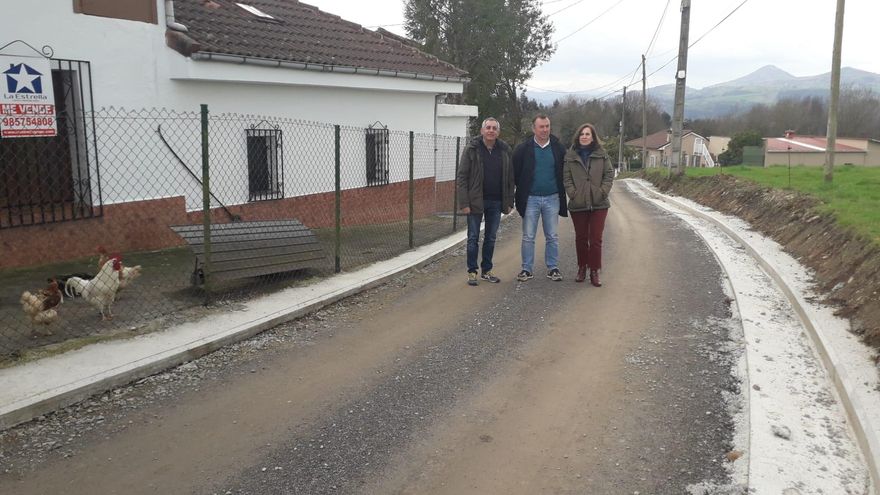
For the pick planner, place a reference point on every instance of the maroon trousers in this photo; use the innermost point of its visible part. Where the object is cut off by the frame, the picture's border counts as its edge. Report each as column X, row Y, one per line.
column 588, row 227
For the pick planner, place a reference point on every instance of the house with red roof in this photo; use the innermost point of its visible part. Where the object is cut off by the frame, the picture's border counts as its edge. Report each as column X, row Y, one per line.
column 694, row 149
column 794, row 149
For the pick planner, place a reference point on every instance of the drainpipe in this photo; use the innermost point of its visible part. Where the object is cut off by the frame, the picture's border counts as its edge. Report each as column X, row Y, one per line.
column 170, row 23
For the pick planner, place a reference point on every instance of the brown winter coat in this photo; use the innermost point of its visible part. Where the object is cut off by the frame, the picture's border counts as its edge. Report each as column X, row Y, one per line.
column 587, row 184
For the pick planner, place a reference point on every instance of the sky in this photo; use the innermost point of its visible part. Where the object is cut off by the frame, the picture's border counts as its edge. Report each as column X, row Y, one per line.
column 600, row 42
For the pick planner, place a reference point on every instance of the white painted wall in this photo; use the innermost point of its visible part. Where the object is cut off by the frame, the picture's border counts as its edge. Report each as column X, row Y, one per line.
column 133, row 69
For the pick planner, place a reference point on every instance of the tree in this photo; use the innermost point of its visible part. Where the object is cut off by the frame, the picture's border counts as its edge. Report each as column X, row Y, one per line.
column 734, row 153
column 499, row 43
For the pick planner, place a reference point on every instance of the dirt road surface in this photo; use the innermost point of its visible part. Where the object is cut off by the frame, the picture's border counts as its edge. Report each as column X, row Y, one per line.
column 428, row 386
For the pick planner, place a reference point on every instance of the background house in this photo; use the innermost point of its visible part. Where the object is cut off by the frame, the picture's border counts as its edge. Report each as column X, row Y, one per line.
column 276, row 76
column 810, row 151
column 694, row 149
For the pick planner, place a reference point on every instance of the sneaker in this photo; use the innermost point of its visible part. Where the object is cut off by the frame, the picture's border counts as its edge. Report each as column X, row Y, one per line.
column 472, row 279
column 490, row 277
column 524, row 275
column 554, row 275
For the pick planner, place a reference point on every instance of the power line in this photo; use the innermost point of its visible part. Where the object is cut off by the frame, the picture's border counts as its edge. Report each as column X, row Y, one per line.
column 591, row 90
column 657, row 30
column 560, row 40
column 673, row 59
column 719, row 23
column 565, row 8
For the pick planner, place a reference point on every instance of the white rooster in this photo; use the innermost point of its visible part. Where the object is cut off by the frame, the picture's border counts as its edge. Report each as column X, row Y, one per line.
column 101, row 290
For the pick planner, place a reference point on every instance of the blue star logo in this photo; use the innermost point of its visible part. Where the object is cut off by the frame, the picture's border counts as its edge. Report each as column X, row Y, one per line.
column 22, row 78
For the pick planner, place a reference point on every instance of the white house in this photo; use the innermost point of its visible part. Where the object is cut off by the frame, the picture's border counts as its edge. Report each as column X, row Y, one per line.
column 130, row 76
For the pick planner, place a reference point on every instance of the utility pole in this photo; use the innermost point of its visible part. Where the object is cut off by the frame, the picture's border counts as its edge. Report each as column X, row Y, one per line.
column 680, row 74
column 644, row 117
column 622, row 119
column 831, row 135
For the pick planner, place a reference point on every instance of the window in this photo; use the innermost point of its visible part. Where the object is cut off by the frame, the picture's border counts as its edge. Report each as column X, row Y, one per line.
column 265, row 164
column 377, row 155
column 255, row 11
column 54, row 179
column 132, row 10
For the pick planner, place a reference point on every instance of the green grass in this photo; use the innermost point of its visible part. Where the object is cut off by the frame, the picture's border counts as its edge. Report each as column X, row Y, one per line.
column 853, row 197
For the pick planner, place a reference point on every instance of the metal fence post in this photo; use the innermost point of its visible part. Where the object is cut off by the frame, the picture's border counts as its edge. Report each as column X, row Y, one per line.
column 338, row 172
column 206, row 204
column 412, row 187
column 455, row 184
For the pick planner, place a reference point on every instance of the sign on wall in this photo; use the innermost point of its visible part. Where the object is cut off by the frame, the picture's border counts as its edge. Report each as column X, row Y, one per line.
column 27, row 99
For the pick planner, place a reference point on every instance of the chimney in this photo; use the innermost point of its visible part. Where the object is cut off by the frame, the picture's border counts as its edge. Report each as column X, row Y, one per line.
column 668, row 135
column 789, row 134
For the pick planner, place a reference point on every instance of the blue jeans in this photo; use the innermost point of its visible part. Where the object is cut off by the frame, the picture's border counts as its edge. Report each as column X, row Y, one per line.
column 492, row 212
column 547, row 207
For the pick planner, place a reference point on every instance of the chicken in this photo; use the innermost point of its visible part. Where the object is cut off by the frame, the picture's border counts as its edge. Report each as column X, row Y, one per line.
column 40, row 306
column 126, row 273
column 101, row 290
column 129, row 273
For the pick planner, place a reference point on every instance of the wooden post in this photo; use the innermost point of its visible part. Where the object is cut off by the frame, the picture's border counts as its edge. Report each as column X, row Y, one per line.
column 831, row 133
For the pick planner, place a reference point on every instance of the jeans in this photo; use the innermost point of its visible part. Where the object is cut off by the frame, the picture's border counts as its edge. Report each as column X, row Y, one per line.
column 492, row 212
column 547, row 207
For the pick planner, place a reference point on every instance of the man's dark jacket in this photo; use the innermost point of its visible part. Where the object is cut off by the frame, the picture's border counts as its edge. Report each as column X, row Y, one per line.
column 469, row 180
column 524, row 172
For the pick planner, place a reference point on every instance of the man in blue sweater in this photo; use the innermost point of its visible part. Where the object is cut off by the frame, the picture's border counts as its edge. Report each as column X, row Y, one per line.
column 540, row 193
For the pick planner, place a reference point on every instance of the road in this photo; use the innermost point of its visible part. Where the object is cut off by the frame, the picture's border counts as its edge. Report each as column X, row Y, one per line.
column 429, row 386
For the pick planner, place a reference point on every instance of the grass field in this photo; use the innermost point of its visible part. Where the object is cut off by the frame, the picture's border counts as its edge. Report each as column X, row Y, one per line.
column 853, row 197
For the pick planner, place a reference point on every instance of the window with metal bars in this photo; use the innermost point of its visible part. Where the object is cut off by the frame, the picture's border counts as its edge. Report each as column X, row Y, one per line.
column 54, row 179
column 377, row 155
column 265, row 164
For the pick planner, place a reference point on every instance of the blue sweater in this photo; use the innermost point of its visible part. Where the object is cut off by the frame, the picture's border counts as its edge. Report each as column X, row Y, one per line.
column 544, row 183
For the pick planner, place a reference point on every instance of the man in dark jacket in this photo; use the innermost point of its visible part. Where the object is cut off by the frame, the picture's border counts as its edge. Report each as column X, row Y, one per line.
column 537, row 169
column 484, row 185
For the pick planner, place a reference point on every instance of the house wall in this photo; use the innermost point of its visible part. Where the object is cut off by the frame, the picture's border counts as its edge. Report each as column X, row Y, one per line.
column 812, row 159
column 38, row 244
column 872, row 158
column 139, row 84
column 718, row 144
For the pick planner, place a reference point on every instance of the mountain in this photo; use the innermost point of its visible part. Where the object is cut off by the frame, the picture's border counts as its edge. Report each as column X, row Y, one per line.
column 765, row 76
column 766, row 85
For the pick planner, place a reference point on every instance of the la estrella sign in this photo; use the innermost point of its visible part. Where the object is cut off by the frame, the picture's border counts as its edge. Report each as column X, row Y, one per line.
column 27, row 98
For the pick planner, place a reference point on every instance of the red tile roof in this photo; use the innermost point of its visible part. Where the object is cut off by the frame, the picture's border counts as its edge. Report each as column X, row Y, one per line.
column 656, row 140
column 652, row 141
column 300, row 33
column 806, row 144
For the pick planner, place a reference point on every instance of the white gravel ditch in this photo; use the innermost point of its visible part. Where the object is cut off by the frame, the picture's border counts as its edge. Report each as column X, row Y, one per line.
column 793, row 435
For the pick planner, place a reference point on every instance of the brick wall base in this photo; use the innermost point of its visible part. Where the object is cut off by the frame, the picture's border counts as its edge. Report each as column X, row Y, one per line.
column 144, row 225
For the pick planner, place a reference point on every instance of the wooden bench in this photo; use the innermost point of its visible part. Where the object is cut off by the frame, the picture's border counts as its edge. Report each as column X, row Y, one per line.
column 251, row 249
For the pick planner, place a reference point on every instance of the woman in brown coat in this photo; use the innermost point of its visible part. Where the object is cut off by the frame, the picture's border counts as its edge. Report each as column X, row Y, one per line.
column 587, row 174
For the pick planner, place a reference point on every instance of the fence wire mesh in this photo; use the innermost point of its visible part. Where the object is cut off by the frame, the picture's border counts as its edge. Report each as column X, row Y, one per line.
column 104, row 226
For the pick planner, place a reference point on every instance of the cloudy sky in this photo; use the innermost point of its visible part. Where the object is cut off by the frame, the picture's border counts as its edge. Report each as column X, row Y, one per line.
column 600, row 42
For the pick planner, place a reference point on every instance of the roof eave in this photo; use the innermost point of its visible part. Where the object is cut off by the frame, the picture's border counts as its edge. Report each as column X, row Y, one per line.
column 344, row 69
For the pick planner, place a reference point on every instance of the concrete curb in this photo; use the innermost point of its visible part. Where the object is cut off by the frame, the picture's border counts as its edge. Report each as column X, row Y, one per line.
column 864, row 426
column 69, row 378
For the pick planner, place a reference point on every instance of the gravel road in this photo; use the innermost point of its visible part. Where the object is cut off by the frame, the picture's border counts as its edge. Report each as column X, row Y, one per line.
column 426, row 385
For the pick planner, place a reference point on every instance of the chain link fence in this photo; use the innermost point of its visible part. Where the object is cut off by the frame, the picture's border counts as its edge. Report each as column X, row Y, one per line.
column 131, row 221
